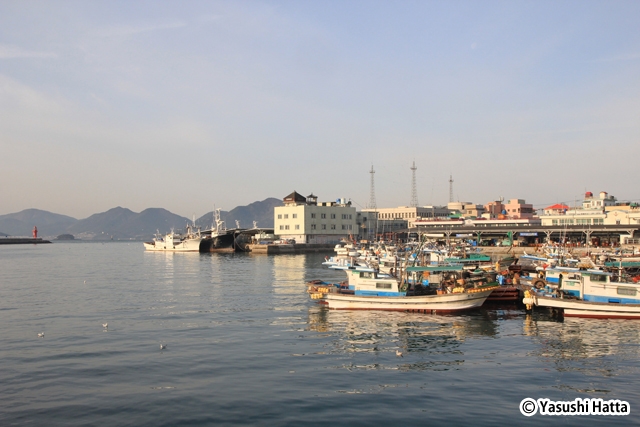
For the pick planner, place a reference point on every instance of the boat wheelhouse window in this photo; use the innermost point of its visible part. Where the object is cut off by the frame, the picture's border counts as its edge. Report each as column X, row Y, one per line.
column 383, row 285
column 366, row 274
column 598, row 278
column 627, row 291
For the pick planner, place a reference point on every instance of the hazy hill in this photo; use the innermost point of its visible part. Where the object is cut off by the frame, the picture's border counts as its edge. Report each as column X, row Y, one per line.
column 122, row 223
column 261, row 212
column 21, row 223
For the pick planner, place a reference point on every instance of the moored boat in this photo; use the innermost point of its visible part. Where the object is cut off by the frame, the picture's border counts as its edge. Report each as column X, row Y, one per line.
column 427, row 289
column 174, row 242
column 592, row 294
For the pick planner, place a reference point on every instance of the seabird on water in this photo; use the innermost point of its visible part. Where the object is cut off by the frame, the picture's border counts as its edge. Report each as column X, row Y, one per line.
column 41, row 334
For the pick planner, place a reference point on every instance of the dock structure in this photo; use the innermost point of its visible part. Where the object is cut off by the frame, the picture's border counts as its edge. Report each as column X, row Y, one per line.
column 619, row 233
column 21, row 240
column 291, row 248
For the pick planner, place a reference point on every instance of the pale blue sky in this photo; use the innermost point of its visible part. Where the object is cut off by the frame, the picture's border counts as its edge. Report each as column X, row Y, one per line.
column 187, row 105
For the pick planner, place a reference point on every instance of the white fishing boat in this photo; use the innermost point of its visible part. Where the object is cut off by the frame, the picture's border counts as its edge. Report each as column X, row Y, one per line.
column 174, row 242
column 592, row 294
column 420, row 289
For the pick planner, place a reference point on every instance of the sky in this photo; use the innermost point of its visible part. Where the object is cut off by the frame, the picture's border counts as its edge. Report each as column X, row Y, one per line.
column 193, row 105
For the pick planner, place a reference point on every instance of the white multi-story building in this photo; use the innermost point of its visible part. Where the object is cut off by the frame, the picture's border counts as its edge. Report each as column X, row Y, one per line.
column 305, row 220
column 602, row 210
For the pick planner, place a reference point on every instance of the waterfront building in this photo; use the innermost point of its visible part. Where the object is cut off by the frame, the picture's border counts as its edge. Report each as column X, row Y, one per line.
column 465, row 209
column 513, row 209
column 395, row 220
column 622, row 213
column 305, row 220
column 592, row 212
column 557, row 209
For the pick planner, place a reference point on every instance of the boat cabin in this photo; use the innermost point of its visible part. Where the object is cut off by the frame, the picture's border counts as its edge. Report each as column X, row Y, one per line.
column 373, row 283
column 597, row 286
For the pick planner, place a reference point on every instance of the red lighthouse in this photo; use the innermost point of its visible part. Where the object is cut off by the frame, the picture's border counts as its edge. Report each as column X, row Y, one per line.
column 35, row 232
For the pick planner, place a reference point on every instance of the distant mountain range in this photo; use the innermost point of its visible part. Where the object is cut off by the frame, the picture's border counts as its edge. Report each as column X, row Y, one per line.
column 123, row 224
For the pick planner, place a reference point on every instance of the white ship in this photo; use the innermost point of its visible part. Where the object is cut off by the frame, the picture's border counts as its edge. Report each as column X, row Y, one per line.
column 174, row 242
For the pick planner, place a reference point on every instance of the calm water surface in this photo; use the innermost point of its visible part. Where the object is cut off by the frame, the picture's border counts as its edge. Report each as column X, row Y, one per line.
column 246, row 345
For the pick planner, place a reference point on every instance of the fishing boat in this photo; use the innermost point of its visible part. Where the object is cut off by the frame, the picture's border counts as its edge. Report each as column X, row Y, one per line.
column 424, row 289
column 219, row 238
column 175, row 242
column 589, row 293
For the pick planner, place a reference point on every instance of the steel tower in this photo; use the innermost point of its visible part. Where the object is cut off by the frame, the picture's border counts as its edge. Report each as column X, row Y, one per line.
column 414, row 191
column 372, row 195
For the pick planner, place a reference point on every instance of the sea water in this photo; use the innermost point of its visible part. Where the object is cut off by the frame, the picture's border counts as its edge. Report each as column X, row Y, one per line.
column 245, row 345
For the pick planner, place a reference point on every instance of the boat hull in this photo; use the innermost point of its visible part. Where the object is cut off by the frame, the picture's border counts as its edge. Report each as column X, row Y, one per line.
column 191, row 245
column 422, row 304
column 587, row 309
column 505, row 294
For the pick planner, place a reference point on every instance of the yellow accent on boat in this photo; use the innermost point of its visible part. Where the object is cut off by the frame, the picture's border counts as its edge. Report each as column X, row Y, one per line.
column 527, row 294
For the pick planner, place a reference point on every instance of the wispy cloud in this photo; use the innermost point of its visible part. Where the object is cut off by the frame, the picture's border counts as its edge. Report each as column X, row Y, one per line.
column 129, row 30
column 622, row 57
column 9, row 52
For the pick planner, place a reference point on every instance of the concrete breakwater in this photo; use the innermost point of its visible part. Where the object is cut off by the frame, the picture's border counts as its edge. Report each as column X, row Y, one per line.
column 21, row 240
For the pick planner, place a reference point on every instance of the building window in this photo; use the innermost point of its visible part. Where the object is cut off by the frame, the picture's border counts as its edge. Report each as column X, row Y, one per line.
column 286, row 227
column 297, row 226
column 286, row 216
column 282, row 227
column 344, row 227
column 279, row 216
column 294, row 216
column 333, row 216
column 313, row 226
column 323, row 216
column 333, row 226
column 313, row 215
column 324, row 226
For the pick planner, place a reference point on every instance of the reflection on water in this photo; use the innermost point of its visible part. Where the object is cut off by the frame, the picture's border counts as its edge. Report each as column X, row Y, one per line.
column 427, row 342
column 576, row 338
column 595, row 348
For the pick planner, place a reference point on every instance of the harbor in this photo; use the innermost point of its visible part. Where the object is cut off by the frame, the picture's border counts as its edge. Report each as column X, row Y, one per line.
column 229, row 320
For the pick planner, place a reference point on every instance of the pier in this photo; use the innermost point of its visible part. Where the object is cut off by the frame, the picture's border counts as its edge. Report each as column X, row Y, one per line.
column 21, row 240
column 292, row 248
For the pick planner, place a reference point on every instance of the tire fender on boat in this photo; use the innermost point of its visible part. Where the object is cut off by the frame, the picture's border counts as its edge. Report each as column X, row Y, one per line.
column 539, row 284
